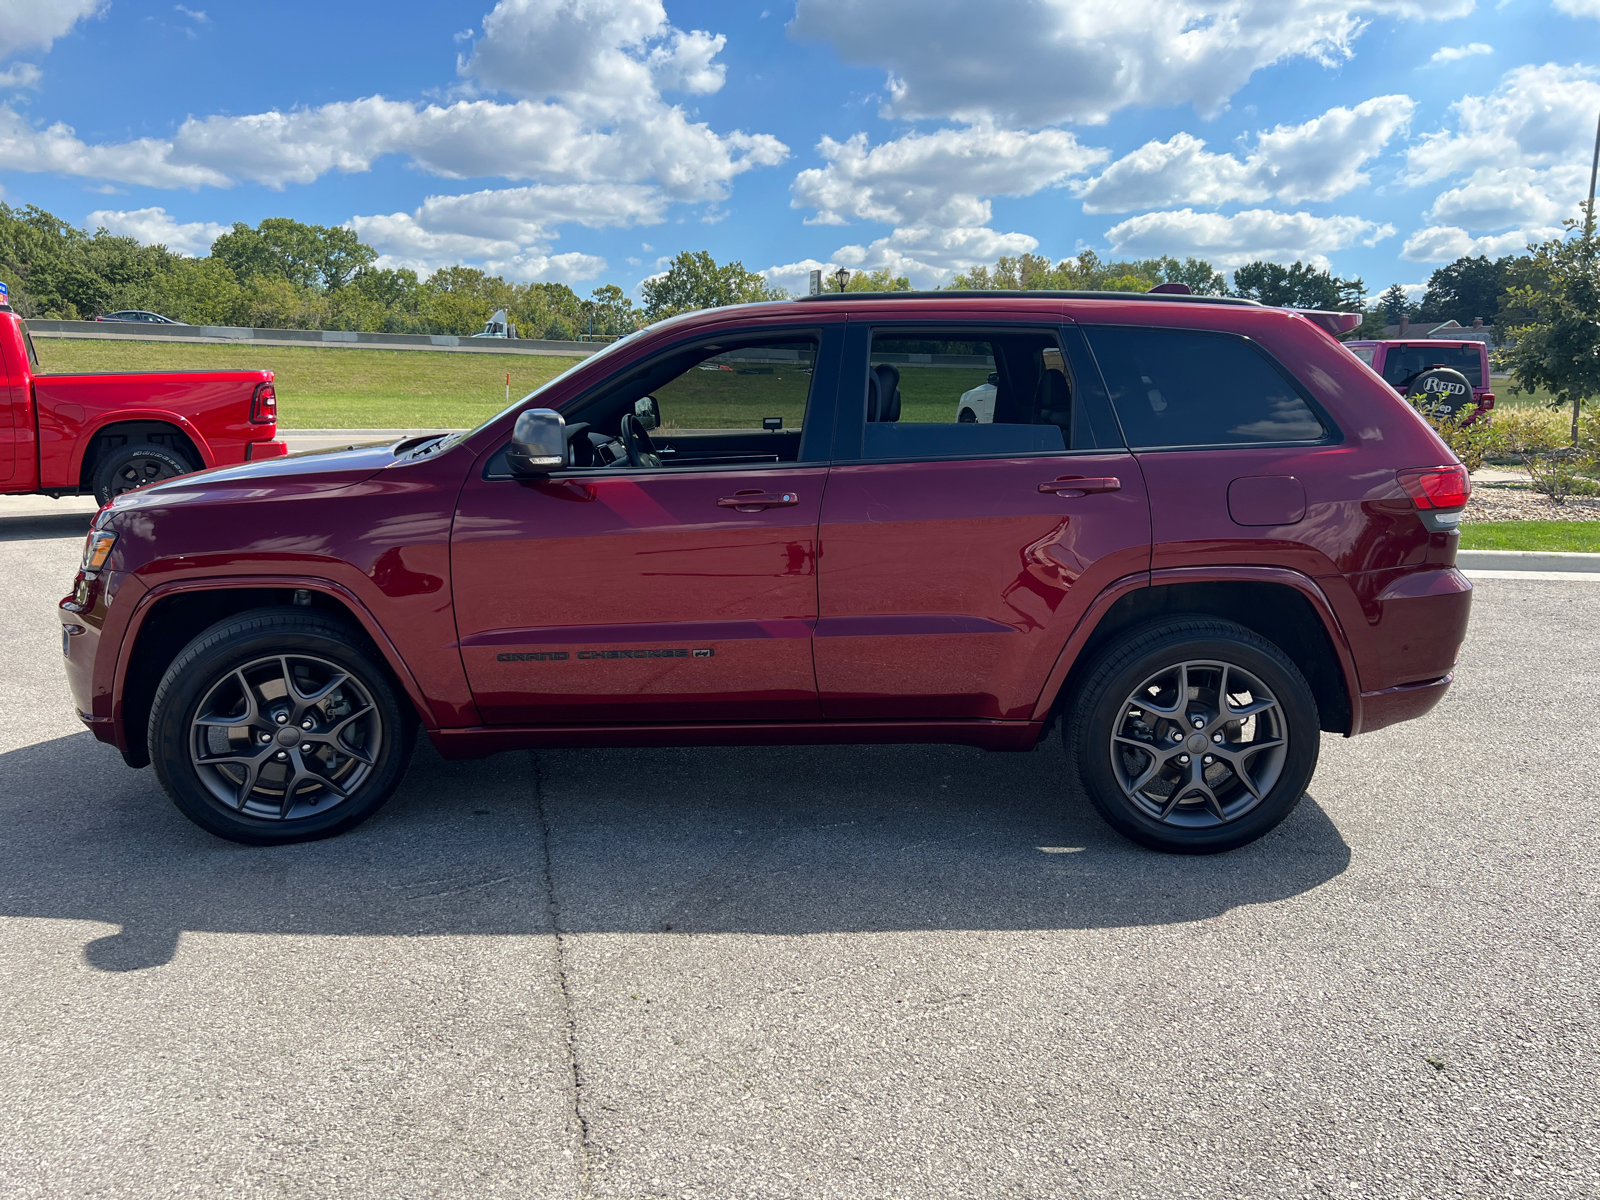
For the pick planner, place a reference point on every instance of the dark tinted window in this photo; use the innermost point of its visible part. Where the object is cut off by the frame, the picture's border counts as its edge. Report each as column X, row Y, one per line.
column 1176, row 387
column 1402, row 364
column 951, row 393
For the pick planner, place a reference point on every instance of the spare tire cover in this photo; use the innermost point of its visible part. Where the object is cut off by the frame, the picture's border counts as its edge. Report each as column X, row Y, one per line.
column 1443, row 391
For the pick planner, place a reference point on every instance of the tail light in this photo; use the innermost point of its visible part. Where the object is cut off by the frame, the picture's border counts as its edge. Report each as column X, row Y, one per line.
column 264, row 405
column 1434, row 488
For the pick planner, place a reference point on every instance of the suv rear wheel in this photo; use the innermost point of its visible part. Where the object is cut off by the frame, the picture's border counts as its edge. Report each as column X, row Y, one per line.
column 276, row 727
column 1194, row 735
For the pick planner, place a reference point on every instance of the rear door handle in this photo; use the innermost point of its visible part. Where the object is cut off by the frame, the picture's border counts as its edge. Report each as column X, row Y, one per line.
column 755, row 501
column 1074, row 485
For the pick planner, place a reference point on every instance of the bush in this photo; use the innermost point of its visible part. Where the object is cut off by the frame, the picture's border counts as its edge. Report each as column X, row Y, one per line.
column 1473, row 444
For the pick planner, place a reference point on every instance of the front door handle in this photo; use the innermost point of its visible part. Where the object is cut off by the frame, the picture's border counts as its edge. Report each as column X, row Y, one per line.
column 756, row 500
column 1074, row 485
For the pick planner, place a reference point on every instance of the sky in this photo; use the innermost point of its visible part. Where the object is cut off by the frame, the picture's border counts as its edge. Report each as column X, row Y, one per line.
column 589, row 141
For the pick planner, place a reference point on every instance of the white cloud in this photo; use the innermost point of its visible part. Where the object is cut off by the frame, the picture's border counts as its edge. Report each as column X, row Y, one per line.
column 1446, row 243
column 154, row 227
column 605, row 60
column 1040, row 62
column 1579, row 8
column 609, row 55
column 1522, row 150
column 1317, row 160
column 1493, row 198
column 1450, row 54
column 36, row 24
column 1243, row 237
column 1538, row 116
column 21, row 75
column 507, row 230
column 936, row 179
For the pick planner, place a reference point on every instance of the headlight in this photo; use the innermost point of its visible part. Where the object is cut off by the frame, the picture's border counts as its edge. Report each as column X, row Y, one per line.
column 98, row 548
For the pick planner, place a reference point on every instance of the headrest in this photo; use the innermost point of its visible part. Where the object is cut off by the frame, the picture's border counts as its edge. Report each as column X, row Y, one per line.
column 883, row 393
column 1052, row 400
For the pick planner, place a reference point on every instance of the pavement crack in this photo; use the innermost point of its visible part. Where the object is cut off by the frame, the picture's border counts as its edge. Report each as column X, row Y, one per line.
column 585, row 1164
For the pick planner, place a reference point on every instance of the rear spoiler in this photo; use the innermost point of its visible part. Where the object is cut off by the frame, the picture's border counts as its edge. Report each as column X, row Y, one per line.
column 1336, row 323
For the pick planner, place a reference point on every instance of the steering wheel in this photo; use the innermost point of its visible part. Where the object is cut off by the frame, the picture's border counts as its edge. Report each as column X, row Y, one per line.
column 636, row 441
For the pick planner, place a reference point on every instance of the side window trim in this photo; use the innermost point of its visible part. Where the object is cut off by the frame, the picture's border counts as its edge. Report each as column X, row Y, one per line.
column 851, row 413
column 1333, row 435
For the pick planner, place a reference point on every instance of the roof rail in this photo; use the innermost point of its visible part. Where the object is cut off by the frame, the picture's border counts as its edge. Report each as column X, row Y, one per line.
column 1008, row 294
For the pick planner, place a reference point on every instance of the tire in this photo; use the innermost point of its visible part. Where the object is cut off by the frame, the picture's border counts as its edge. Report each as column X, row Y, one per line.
column 1443, row 391
column 230, row 688
column 1188, row 796
column 135, row 466
column 967, row 417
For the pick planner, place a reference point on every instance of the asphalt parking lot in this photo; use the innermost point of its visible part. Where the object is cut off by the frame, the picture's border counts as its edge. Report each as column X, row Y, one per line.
column 814, row 972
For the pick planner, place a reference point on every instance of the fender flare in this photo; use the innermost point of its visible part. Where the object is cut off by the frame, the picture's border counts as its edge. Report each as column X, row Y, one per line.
column 147, row 602
column 129, row 415
column 1304, row 584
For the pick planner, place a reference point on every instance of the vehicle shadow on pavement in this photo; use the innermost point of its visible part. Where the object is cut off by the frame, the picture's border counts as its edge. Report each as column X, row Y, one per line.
column 787, row 840
column 42, row 526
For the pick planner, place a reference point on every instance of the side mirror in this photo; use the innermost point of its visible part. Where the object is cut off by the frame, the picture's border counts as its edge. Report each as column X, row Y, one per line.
column 994, row 378
column 648, row 410
column 538, row 442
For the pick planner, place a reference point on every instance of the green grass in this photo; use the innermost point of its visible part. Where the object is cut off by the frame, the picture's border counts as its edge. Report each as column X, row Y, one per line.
column 336, row 388
column 1579, row 536
column 1500, row 385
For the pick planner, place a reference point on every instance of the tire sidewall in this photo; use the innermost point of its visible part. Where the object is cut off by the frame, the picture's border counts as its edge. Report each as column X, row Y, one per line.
column 1113, row 681
column 221, row 649
column 107, row 468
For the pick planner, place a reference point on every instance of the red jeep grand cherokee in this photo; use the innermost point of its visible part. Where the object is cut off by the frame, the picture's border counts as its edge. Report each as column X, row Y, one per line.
column 1196, row 533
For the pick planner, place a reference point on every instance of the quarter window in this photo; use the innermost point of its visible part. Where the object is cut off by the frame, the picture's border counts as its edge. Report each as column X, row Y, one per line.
column 1178, row 387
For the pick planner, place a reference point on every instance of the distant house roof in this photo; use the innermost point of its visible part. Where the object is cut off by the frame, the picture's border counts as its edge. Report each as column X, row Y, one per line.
column 1444, row 331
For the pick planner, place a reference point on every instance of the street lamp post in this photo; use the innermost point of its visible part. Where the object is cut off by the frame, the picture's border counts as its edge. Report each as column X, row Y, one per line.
column 841, row 277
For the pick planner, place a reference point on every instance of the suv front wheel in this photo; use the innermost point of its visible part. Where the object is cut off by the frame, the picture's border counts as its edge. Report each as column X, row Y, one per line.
column 1194, row 735
column 276, row 726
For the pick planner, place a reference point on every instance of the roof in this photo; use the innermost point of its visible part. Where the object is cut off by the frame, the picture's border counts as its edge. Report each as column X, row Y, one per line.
column 1014, row 294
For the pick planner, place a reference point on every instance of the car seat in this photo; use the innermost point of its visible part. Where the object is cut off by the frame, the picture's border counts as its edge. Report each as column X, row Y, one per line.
column 883, row 393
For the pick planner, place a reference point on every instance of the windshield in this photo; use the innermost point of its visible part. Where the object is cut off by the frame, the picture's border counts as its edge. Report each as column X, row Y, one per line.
column 518, row 406
column 1402, row 364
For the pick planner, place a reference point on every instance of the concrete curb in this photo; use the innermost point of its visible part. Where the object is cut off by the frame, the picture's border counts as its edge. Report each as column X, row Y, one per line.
column 1527, row 560
column 239, row 335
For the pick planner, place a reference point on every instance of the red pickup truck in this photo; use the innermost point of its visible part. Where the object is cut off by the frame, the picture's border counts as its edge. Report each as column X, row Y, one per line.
column 107, row 434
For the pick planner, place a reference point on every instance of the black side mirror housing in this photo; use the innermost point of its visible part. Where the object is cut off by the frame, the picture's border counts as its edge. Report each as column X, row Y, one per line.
column 538, row 443
column 648, row 410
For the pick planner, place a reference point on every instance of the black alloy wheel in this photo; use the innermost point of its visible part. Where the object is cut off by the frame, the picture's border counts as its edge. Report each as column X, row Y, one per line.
column 132, row 467
column 1194, row 735
column 278, row 726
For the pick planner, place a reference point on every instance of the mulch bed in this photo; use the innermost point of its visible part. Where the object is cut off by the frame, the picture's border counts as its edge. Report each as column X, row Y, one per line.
column 1513, row 502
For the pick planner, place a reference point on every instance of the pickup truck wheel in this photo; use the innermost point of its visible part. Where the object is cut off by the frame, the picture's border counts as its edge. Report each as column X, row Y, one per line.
column 275, row 727
column 130, row 467
column 1194, row 735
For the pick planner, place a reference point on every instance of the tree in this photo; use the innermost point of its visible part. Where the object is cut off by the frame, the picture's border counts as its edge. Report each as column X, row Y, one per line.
column 1087, row 273
column 877, row 281
column 1394, row 304
column 313, row 256
column 1554, row 338
column 694, row 280
column 1467, row 288
column 1298, row 286
column 609, row 312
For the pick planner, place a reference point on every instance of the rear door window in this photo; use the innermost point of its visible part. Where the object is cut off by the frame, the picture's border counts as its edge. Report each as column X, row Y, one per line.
column 1181, row 387
column 975, row 393
column 1402, row 364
